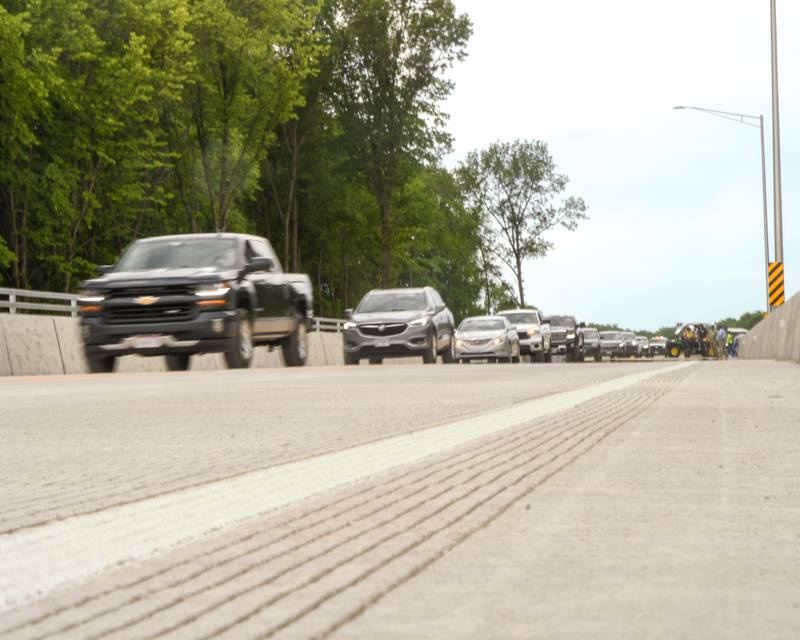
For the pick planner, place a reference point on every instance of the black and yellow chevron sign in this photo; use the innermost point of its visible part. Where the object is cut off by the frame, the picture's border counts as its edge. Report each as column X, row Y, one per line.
column 776, row 297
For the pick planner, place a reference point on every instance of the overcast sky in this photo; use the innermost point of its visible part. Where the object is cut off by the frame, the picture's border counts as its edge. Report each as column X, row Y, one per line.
column 676, row 229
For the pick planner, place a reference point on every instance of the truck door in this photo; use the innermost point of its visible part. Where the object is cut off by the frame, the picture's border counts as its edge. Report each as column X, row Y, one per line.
column 277, row 317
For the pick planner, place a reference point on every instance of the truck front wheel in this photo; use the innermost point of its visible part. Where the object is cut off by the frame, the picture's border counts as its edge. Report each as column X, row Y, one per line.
column 295, row 347
column 178, row 361
column 102, row 365
column 241, row 357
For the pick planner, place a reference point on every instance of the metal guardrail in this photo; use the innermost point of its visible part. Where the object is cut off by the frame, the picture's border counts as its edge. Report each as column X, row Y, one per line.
column 333, row 325
column 19, row 300
column 16, row 300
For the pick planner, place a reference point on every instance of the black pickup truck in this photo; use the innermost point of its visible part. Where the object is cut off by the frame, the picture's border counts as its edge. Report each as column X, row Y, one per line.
column 177, row 296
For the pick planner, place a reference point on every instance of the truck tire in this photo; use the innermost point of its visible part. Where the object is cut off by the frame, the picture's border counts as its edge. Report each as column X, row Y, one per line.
column 350, row 359
column 376, row 360
column 431, row 354
column 548, row 357
column 102, row 365
column 449, row 356
column 598, row 357
column 178, row 361
column 241, row 357
column 295, row 347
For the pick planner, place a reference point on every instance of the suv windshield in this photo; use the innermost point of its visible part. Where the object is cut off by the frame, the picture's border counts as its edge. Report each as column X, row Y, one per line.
column 562, row 321
column 482, row 324
column 610, row 335
column 377, row 302
column 179, row 254
column 589, row 333
column 522, row 318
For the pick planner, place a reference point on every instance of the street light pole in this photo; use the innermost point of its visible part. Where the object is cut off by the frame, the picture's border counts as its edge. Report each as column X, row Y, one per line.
column 776, row 137
column 764, row 199
column 742, row 119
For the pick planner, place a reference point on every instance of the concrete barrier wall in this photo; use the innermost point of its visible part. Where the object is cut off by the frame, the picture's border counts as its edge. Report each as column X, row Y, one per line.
column 776, row 337
column 45, row 345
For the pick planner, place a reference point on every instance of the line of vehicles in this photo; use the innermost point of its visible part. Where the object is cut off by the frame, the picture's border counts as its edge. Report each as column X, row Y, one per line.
column 177, row 296
column 416, row 322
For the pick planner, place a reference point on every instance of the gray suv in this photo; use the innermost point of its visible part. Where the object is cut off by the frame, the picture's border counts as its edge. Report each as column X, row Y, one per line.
column 398, row 323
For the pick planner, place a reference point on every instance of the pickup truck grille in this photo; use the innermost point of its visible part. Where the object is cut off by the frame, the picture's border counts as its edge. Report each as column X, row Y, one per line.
column 156, row 291
column 388, row 329
column 559, row 336
column 137, row 314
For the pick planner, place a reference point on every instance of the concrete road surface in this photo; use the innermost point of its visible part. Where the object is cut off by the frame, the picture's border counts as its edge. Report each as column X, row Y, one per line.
column 498, row 501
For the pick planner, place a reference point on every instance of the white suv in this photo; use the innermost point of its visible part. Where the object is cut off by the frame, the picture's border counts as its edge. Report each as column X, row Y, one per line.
column 534, row 335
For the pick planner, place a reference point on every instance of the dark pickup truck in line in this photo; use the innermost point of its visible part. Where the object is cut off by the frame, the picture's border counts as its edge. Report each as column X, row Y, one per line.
column 177, row 296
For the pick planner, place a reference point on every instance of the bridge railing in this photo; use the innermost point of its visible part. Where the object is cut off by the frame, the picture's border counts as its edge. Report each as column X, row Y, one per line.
column 22, row 300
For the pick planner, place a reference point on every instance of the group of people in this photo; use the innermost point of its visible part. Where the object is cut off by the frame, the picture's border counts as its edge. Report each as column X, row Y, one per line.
column 698, row 339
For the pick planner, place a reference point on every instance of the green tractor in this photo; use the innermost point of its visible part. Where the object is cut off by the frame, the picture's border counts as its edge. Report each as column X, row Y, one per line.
column 692, row 339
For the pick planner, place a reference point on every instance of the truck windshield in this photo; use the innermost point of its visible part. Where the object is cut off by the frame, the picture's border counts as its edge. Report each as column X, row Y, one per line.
column 610, row 335
column 194, row 253
column 562, row 321
column 482, row 324
column 394, row 301
column 522, row 318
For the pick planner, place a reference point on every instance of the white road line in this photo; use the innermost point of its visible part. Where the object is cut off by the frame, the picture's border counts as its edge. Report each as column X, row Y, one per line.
column 36, row 561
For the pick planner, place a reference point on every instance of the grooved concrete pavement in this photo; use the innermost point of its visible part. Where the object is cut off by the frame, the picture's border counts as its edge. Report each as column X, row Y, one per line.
column 667, row 509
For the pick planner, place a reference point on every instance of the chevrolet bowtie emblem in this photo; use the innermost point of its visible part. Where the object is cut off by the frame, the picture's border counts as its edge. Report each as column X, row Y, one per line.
column 146, row 300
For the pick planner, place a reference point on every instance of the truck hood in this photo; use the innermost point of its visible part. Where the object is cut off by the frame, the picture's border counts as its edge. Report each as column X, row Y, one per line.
column 159, row 276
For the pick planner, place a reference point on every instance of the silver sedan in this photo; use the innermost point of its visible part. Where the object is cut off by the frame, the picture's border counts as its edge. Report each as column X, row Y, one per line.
column 490, row 338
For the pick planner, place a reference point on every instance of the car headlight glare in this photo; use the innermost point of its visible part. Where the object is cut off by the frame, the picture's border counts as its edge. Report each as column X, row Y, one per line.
column 349, row 325
column 214, row 290
column 420, row 322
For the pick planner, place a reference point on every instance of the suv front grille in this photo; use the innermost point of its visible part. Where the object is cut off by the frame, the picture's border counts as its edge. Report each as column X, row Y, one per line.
column 385, row 329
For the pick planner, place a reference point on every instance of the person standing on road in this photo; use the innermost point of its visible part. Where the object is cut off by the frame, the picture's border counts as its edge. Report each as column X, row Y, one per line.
column 721, row 347
column 729, row 343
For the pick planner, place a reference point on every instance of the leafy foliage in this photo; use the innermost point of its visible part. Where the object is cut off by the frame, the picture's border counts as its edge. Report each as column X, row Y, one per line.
column 512, row 186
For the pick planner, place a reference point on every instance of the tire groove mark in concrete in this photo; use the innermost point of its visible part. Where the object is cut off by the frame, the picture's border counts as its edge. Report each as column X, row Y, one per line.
column 469, row 454
column 368, row 572
column 533, row 436
column 418, row 569
column 537, row 451
column 320, row 451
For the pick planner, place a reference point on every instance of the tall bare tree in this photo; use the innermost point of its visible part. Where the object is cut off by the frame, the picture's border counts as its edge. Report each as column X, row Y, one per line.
column 514, row 187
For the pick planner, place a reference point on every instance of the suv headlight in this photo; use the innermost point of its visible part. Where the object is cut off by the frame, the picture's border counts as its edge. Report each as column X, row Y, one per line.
column 420, row 322
column 349, row 325
column 214, row 290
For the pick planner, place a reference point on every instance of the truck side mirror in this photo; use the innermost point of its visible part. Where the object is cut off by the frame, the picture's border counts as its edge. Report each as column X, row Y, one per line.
column 258, row 263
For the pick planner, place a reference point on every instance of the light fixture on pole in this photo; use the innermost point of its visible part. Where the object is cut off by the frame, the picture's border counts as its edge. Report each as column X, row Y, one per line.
column 743, row 118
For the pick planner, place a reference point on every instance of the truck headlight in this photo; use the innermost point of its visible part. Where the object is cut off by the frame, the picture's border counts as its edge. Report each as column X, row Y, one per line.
column 420, row 322
column 89, row 296
column 570, row 336
column 214, row 290
column 532, row 331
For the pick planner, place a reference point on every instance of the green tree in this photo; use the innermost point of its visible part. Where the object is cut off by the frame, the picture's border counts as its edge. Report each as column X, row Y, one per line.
column 512, row 186
column 388, row 88
column 251, row 59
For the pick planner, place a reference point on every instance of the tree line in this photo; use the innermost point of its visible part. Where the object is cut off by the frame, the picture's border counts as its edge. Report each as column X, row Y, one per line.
column 317, row 123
